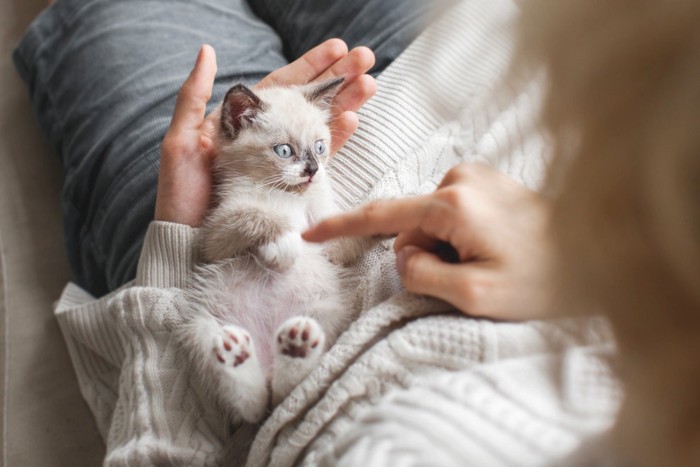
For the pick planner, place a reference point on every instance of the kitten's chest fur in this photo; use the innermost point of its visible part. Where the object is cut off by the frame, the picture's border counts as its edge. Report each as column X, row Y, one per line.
column 263, row 273
column 294, row 210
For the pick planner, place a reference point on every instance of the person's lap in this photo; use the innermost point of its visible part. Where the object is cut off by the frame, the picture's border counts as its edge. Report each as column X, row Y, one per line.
column 103, row 76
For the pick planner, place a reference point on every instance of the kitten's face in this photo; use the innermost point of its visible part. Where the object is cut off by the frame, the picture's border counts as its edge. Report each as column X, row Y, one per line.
column 278, row 137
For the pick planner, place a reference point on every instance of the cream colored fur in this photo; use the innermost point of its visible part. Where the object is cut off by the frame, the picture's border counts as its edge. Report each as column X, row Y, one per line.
column 267, row 305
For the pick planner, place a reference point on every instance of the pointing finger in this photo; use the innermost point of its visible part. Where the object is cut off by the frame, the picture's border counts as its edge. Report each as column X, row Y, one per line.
column 384, row 217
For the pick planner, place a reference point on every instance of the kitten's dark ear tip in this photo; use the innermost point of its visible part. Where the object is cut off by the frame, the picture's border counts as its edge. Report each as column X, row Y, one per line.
column 323, row 93
column 336, row 81
column 239, row 107
column 239, row 87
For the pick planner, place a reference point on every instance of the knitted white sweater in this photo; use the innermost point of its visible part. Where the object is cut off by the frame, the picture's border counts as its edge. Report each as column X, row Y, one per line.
column 410, row 383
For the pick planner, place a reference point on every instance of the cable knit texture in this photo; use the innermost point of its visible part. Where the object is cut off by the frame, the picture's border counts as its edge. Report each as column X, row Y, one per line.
column 410, row 382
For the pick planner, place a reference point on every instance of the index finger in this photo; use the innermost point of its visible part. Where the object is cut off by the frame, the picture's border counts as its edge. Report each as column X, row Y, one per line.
column 385, row 217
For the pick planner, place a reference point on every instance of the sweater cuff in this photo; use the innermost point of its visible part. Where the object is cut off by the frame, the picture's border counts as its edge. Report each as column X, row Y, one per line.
column 168, row 255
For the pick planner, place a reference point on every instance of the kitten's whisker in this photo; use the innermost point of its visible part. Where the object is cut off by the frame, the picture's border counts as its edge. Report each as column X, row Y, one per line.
column 271, row 179
column 275, row 181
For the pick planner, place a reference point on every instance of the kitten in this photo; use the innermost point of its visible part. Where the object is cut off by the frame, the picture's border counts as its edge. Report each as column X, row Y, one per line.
column 267, row 305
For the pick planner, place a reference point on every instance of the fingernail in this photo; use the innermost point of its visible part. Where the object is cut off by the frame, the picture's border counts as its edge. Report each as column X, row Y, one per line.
column 200, row 55
column 308, row 235
column 402, row 256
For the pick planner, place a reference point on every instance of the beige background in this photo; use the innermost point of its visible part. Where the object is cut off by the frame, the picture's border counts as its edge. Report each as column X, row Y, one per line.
column 45, row 421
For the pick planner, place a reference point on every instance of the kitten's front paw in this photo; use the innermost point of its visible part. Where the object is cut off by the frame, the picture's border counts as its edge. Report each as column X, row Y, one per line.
column 300, row 337
column 283, row 252
column 335, row 253
column 347, row 251
column 233, row 347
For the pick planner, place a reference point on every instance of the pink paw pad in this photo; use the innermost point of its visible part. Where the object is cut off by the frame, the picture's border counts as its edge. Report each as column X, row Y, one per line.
column 298, row 337
column 232, row 347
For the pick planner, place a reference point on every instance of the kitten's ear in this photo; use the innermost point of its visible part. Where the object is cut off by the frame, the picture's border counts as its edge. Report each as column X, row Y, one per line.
column 239, row 108
column 322, row 94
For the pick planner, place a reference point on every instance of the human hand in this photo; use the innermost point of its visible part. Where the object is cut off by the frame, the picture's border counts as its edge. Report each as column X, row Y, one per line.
column 495, row 228
column 185, row 177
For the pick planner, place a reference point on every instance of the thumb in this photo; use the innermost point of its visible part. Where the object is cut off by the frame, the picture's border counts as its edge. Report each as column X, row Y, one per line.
column 426, row 274
column 194, row 94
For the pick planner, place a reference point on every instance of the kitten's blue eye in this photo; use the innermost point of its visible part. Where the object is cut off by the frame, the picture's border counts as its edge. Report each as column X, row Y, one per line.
column 320, row 147
column 283, row 150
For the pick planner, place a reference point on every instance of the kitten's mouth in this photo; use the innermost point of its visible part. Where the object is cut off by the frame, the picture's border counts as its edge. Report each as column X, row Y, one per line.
column 306, row 181
column 302, row 185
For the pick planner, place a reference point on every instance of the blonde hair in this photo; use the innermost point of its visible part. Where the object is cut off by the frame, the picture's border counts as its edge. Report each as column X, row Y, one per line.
column 622, row 108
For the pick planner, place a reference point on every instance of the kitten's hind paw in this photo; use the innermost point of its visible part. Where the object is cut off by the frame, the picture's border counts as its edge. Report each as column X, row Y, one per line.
column 283, row 252
column 300, row 337
column 232, row 347
column 300, row 344
column 242, row 384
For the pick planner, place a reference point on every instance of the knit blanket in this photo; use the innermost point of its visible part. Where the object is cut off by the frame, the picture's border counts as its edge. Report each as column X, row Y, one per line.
column 411, row 379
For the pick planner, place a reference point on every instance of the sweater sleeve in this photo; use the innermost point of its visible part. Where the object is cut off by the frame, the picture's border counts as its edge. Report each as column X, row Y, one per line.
column 169, row 252
column 130, row 369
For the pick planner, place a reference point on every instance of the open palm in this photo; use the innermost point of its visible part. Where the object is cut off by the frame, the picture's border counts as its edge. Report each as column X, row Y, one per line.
column 185, row 177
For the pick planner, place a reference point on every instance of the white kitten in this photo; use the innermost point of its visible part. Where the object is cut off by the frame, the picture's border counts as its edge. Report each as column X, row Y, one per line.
column 267, row 306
